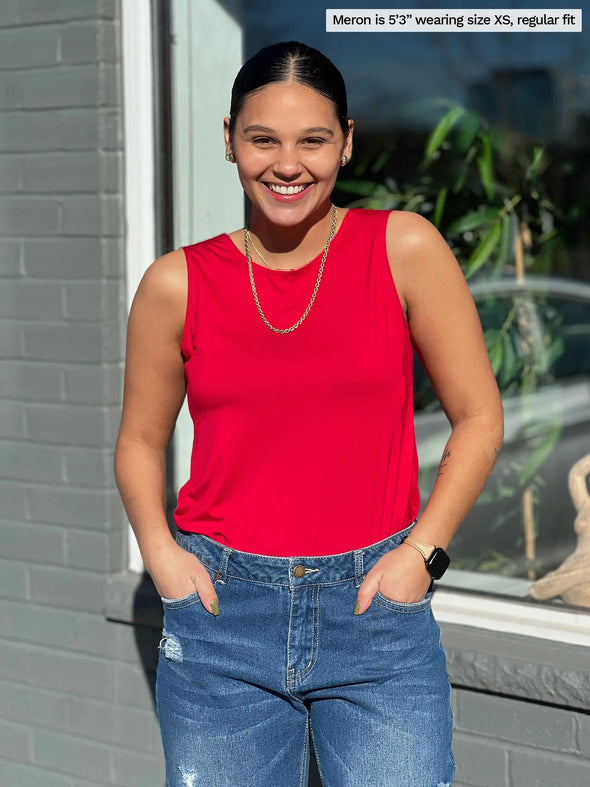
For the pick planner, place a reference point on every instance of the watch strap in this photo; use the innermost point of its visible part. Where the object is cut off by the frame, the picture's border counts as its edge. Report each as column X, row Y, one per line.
column 425, row 550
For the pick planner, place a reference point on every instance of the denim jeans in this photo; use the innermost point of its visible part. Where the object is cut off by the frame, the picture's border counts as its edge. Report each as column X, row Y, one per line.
column 239, row 694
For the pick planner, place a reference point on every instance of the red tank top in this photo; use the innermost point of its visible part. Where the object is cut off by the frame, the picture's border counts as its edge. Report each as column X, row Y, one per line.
column 304, row 442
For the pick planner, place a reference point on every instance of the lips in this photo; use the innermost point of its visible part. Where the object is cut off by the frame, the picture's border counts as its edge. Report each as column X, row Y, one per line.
column 293, row 189
column 291, row 192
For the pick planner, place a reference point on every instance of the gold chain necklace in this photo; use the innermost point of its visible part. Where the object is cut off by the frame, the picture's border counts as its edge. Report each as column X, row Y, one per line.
column 257, row 250
column 315, row 289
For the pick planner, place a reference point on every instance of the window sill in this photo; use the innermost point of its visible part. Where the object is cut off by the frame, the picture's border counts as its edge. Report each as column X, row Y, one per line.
column 505, row 663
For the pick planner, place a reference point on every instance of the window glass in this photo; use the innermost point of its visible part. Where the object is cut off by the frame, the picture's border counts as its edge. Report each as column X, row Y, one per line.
column 544, row 378
column 507, row 186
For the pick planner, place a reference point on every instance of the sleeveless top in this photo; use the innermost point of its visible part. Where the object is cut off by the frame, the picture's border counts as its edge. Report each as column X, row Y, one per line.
column 303, row 442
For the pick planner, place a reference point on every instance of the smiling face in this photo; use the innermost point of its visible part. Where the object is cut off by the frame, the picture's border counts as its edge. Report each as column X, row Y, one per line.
column 288, row 145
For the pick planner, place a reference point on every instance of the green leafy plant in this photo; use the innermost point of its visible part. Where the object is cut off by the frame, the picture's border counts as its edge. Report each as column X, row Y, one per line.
column 480, row 187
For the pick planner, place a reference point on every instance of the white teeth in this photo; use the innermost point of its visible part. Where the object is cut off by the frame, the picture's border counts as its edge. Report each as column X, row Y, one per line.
column 286, row 189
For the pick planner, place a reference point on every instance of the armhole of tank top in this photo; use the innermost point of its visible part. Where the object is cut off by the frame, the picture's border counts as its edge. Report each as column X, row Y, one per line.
column 382, row 250
column 187, row 341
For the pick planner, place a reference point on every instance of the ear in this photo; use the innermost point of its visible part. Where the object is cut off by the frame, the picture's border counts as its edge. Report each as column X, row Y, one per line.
column 227, row 135
column 347, row 148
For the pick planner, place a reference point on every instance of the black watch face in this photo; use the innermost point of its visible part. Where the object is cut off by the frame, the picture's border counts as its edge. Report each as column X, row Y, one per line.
column 438, row 563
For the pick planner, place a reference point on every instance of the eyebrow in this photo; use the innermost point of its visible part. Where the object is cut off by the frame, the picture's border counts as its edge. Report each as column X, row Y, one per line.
column 314, row 130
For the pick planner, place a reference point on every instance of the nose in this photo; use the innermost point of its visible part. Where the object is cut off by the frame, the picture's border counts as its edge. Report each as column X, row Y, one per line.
column 287, row 165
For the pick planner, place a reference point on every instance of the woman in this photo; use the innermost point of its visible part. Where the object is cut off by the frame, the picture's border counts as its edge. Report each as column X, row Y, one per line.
column 295, row 598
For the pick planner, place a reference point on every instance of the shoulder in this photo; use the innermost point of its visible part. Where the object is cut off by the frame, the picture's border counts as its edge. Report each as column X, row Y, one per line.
column 162, row 294
column 414, row 242
column 410, row 233
column 166, row 278
column 419, row 256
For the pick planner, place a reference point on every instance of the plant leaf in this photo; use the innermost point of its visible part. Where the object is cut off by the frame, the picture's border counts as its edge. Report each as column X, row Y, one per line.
column 484, row 164
column 473, row 220
column 439, row 133
column 509, row 363
column 439, row 206
column 540, row 453
column 379, row 163
column 505, row 250
column 366, row 188
column 483, row 250
column 467, row 131
column 496, row 354
column 491, row 337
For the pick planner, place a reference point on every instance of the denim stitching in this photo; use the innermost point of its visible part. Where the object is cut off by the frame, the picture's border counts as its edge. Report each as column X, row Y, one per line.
column 358, row 568
column 222, row 570
column 189, row 601
column 290, row 670
column 286, row 584
column 304, row 584
column 315, row 617
column 399, row 606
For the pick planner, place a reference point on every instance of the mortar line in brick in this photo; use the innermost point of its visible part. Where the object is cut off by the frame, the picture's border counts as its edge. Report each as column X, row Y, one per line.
column 510, row 746
column 27, row 729
column 64, row 472
column 98, row 490
column 28, row 592
column 59, row 651
column 577, row 733
column 61, row 211
column 65, row 282
column 6, row 400
column 507, row 774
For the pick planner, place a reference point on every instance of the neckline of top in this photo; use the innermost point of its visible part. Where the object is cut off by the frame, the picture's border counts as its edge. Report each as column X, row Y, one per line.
column 292, row 271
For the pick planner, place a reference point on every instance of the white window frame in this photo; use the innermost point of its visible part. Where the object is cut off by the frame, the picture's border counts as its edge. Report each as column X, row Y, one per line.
column 139, row 183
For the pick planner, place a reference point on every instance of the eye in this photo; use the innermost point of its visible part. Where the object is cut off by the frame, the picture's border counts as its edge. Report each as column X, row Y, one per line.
column 262, row 141
column 313, row 141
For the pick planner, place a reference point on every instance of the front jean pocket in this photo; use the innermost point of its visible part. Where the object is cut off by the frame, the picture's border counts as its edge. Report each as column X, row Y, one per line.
column 403, row 606
column 183, row 601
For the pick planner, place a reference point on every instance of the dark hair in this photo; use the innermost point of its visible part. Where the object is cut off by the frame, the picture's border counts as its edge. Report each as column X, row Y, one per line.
column 290, row 61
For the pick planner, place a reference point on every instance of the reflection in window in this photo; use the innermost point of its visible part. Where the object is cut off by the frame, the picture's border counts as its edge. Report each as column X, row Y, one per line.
column 543, row 372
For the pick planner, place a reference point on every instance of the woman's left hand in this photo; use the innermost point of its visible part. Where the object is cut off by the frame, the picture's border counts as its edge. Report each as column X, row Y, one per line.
column 400, row 575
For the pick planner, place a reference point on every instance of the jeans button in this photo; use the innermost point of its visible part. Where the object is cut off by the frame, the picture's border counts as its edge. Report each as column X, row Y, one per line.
column 299, row 571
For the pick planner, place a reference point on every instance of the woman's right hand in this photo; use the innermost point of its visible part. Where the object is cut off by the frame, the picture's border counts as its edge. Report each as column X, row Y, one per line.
column 177, row 573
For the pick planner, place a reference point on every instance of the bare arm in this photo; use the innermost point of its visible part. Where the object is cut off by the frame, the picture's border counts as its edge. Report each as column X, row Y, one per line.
column 447, row 334
column 153, row 394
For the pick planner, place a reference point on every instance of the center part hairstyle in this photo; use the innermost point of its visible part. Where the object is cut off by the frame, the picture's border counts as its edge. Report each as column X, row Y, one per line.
column 290, row 61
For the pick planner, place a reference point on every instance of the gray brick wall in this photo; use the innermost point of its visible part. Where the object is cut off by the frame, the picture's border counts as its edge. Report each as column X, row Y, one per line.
column 76, row 689
column 505, row 742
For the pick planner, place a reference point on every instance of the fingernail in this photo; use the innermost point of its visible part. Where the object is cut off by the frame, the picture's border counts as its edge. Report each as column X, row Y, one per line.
column 357, row 608
column 215, row 607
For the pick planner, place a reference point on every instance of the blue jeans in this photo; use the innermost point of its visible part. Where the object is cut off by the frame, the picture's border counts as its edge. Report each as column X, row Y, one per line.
column 239, row 694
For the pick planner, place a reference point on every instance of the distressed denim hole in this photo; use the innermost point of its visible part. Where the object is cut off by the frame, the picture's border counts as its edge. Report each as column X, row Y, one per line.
column 171, row 648
column 188, row 779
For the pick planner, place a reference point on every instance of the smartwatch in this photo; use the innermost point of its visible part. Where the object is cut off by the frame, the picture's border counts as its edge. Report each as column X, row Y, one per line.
column 435, row 558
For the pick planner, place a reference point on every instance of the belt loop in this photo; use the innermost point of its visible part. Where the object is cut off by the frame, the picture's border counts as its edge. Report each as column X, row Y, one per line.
column 358, row 567
column 221, row 573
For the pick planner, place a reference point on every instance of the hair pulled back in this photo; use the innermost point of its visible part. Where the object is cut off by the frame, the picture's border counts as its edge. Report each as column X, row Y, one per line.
column 285, row 62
